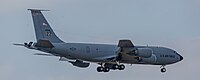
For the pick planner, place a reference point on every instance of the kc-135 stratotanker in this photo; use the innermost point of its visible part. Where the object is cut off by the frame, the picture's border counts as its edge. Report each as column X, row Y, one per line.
column 109, row 57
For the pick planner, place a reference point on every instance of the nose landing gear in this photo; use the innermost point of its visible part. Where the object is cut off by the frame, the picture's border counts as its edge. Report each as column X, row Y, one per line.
column 163, row 69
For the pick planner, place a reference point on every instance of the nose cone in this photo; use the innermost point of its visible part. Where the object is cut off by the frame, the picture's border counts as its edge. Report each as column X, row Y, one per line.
column 180, row 57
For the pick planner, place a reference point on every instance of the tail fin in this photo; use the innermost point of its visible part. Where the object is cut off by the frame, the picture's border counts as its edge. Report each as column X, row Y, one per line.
column 43, row 30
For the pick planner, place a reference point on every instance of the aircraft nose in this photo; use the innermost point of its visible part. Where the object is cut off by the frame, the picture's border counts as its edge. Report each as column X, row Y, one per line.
column 180, row 57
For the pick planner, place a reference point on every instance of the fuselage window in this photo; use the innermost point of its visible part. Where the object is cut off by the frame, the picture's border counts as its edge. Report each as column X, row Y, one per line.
column 170, row 56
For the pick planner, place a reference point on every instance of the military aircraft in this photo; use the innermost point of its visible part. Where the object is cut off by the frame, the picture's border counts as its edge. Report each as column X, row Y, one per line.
column 109, row 57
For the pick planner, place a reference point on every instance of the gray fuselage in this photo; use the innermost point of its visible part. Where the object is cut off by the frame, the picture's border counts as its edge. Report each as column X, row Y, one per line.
column 99, row 52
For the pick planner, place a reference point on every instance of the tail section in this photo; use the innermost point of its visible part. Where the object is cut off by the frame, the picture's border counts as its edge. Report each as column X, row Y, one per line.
column 43, row 30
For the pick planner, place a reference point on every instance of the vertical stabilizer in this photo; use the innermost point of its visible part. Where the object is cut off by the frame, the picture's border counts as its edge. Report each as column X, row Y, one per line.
column 43, row 30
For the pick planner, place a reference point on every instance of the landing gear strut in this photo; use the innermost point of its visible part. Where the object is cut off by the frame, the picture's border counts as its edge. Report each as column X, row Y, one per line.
column 163, row 69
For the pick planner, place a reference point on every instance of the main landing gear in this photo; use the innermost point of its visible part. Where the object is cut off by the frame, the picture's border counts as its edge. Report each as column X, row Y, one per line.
column 108, row 67
column 103, row 69
column 163, row 69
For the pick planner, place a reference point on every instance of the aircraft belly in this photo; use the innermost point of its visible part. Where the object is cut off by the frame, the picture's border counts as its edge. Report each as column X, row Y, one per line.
column 88, row 52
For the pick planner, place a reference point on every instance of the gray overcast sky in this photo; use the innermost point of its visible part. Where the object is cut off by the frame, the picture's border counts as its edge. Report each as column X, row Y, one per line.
column 170, row 23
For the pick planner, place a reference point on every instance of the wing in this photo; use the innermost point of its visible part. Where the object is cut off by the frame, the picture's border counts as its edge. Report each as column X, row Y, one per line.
column 125, row 47
column 125, row 43
column 127, row 51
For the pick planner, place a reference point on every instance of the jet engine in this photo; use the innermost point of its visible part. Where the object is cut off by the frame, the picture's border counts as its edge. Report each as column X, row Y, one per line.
column 141, row 52
column 151, row 60
column 81, row 64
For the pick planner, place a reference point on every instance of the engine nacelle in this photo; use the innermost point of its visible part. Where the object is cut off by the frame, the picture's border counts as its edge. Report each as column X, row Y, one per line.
column 142, row 52
column 150, row 60
column 81, row 64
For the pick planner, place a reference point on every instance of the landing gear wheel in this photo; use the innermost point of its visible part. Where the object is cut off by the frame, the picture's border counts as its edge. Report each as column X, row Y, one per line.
column 115, row 66
column 100, row 69
column 163, row 70
column 106, row 69
column 121, row 67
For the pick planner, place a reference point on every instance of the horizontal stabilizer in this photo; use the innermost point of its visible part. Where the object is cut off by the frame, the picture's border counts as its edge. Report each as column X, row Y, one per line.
column 19, row 44
column 38, row 10
column 44, row 44
column 125, row 43
column 29, row 45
